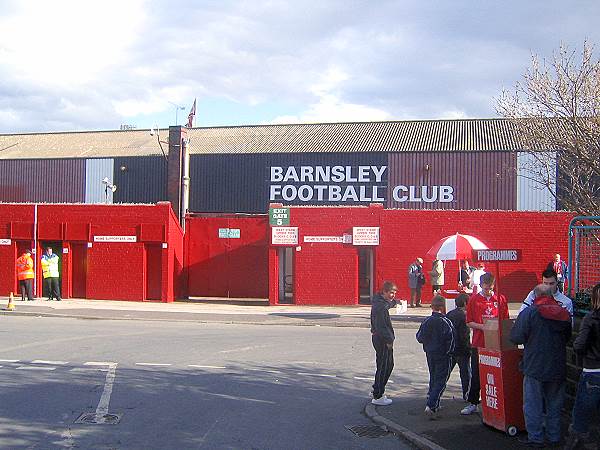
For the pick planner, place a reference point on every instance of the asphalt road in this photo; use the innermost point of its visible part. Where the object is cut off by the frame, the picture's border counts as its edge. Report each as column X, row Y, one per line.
column 190, row 385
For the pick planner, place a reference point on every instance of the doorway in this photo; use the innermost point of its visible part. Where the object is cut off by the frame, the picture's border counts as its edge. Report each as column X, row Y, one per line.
column 56, row 247
column 286, row 275
column 365, row 275
column 153, row 272
column 78, row 269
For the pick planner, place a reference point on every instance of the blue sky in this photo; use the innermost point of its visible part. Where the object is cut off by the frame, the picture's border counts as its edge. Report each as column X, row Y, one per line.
column 88, row 65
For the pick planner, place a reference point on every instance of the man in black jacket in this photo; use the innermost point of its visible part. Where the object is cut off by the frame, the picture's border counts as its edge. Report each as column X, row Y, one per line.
column 544, row 328
column 383, row 340
column 462, row 349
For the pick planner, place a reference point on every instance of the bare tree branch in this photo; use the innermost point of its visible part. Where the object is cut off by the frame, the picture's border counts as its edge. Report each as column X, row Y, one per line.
column 554, row 111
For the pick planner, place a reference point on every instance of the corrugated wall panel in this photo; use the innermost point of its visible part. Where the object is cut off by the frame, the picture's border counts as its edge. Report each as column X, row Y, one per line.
column 532, row 196
column 479, row 180
column 42, row 180
column 241, row 183
column 140, row 179
column 95, row 171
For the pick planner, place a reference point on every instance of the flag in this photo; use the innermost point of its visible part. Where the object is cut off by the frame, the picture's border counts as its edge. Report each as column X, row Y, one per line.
column 191, row 115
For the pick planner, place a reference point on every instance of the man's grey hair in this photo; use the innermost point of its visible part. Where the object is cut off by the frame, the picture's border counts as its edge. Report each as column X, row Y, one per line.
column 542, row 290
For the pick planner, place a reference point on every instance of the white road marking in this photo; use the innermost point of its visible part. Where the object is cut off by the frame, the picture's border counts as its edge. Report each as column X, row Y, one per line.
column 52, row 363
column 89, row 369
column 363, row 378
column 151, row 364
column 9, row 360
column 325, row 375
column 206, row 367
column 35, row 368
column 265, row 370
column 102, row 409
column 243, row 349
column 98, row 363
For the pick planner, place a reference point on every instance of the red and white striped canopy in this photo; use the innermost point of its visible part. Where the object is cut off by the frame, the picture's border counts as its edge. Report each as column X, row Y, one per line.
column 457, row 246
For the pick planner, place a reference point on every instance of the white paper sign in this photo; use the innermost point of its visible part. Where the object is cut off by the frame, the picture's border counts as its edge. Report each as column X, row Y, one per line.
column 365, row 235
column 65, row 250
column 284, row 235
column 5, row 242
column 323, row 239
column 115, row 238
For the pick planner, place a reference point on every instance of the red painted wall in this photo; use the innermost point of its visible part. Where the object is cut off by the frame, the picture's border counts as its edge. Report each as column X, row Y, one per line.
column 326, row 273
column 227, row 267
column 99, row 270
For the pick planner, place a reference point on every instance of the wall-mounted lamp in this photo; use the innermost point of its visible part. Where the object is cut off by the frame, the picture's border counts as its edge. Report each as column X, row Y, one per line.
column 427, row 167
column 156, row 132
column 108, row 186
column 123, row 168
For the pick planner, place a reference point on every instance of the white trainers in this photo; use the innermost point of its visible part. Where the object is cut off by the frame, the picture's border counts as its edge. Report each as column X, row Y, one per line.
column 382, row 401
column 431, row 413
column 469, row 409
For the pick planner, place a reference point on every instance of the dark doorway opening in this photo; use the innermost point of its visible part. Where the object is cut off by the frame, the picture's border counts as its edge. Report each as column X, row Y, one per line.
column 365, row 275
column 56, row 247
column 286, row 275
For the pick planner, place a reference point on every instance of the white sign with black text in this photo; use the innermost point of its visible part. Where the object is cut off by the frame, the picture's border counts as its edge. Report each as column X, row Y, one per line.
column 115, row 238
column 284, row 235
column 365, row 235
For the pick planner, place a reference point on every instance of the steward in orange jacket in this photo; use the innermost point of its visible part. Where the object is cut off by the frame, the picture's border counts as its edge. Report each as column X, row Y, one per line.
column 25, row 274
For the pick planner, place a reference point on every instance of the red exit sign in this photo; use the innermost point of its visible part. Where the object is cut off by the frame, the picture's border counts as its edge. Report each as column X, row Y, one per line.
column 493, row 255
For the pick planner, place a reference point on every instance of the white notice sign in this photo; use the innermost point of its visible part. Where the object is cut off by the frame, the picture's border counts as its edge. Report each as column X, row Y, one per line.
column 284, row 235
column 5, row 242
column 365, row 235
column 323, row 239
column 115, row 238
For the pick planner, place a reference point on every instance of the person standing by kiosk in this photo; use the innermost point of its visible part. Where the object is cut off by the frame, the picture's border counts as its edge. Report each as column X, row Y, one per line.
column 51, row 274
column 416, row 280
column 483, row 305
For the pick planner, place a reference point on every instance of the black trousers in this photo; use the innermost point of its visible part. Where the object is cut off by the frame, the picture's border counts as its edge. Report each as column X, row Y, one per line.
column 415, row 296
column 439, row 367
column 26, row 287
column 53, row 287
column 384, row 358
column 464, row 367
column 474, row 394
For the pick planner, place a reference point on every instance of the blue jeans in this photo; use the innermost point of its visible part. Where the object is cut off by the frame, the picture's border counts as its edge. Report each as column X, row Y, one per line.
column 539, row 397
column 587, row 402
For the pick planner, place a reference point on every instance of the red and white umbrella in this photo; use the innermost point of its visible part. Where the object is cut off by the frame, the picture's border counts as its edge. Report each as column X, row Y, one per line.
column 457, row 246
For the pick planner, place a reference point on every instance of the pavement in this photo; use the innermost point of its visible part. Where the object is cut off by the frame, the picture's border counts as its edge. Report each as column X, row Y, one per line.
column 404, row 417
column 211, row 312
column 452, row 431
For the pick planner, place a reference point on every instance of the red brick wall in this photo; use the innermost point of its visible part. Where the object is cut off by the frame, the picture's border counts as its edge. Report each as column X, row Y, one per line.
column 113, row 270
column 227, row 267
column 326, row 273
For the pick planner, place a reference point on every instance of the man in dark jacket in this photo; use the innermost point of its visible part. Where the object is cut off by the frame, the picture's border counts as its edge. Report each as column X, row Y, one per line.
column 562, row 271
column 462, row 348
column 587, row 401
column 544, row 328
column 383, row 340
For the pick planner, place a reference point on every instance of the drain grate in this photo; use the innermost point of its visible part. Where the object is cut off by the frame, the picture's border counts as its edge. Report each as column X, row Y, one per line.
column 100, row 419
column 370, row 431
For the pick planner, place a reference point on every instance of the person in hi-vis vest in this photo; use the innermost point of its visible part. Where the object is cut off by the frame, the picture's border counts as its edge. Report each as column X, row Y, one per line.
column 51, row 274
column 25, row 275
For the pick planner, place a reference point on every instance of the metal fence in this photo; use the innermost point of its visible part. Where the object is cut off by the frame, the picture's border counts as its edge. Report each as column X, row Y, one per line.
column 584, row 260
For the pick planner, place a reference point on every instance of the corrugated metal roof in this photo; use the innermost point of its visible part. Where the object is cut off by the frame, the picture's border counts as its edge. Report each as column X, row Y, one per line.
column 393, row 136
